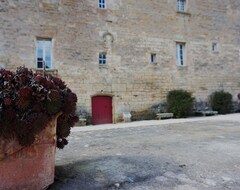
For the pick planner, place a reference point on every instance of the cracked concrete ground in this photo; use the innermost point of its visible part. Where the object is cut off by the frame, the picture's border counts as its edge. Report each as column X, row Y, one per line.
column 184, row 154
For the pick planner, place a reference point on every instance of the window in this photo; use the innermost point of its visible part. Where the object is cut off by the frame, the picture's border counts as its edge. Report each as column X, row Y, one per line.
column 214, row 47
column 101, row 4
column 153, row 58
column 102, row 58
column 44, row 53
column 181, row 5
column 180, row 54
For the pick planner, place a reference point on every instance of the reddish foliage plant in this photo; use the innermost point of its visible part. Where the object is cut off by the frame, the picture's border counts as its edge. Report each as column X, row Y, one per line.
column 28, row 101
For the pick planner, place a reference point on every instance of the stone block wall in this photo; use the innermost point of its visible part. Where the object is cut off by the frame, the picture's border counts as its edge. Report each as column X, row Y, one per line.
column 128, row 31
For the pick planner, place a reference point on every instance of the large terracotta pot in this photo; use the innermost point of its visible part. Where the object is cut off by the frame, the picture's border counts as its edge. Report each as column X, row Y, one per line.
column 29, row 168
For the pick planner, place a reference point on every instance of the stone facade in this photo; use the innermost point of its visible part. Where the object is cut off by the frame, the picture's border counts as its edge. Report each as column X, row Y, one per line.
column 128, row 31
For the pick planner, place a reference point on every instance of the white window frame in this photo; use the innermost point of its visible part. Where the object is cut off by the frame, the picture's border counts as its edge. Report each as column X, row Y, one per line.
column 153, row 58
column 102, row 58
column 102, row 4
column 48, row 65
column 182, row 4
column 181, row 54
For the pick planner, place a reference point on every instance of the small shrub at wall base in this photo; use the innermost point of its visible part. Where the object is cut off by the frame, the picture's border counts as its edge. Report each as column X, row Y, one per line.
column 221, row 101
column 180, row 103
column 29, row 101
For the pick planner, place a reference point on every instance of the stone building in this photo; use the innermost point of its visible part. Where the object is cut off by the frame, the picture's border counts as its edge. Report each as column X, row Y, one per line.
column 129, row 53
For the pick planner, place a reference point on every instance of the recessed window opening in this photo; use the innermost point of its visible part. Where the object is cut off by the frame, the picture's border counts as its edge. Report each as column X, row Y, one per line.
column 153, row 58
column 180, row 54
column 44, row 53
column 181, row 5
column 214, row 47
column 101, row 4
column 102, row 58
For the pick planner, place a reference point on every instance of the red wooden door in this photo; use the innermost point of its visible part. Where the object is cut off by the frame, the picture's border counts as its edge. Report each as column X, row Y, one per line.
column 101, row 110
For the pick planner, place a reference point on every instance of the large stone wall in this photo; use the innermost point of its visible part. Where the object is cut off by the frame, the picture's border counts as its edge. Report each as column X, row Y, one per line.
column 129, row 31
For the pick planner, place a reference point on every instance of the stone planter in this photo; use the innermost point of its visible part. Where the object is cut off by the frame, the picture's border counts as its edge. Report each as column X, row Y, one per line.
column 30, row 167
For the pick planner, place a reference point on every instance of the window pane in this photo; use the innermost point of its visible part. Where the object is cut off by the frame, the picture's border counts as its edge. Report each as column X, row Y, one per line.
column 39, row 49
column 48, row 62
column 44, row 54
column 101, row 3
column 180, row 54
column 102, row 58
column 153, row 58
column 181, row 5
column 39, row 54
column 48, row 54
column 39, row 63
column 214, row 47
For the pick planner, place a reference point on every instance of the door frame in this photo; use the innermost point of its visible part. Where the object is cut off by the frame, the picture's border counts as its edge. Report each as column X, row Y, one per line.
column 113, row 103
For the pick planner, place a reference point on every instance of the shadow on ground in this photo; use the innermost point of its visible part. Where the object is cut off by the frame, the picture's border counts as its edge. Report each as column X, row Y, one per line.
column 110, row 173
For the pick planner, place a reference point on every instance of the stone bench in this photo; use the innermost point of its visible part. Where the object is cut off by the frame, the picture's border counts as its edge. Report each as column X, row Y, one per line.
column 127, row 117
column 82, row 122
column 208, row 113
column 164, row 115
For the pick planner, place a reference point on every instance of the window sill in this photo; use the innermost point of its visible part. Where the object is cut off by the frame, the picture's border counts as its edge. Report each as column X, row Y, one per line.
column 103, row 66
column 184, row 13
column 49, row 71
column 180, row 67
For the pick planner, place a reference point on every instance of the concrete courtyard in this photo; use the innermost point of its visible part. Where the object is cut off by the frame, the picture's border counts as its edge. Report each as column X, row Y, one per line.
column 180, row 154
